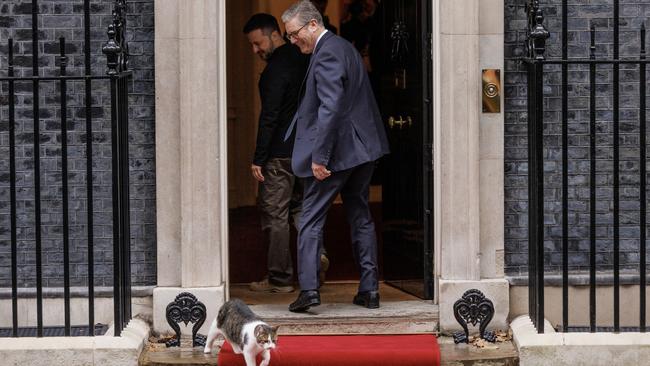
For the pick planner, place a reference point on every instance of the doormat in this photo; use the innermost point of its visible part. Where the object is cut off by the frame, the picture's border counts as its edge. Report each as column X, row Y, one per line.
column 346, row 350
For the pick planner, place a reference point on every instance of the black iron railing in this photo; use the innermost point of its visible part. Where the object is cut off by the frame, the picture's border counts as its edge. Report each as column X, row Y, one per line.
column 117, row 76
column 537, row 65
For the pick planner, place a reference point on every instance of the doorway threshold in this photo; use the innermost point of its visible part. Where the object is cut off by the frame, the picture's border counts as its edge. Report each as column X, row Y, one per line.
column 400, row 313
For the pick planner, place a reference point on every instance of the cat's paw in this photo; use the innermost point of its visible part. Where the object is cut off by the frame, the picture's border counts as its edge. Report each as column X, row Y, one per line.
column 265, row 363
column 207, row 350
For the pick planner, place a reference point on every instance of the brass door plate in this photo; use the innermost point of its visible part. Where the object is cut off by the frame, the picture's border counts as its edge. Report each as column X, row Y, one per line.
column 491, row 91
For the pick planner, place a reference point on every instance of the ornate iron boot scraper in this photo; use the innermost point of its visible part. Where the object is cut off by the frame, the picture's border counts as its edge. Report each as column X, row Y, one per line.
column 473, row 308
column 187, row 309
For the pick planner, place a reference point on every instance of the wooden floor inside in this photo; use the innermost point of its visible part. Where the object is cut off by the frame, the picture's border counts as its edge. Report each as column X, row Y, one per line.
column 330, row 292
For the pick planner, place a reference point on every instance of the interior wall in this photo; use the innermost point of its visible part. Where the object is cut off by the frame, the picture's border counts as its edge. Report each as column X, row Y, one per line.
column 242, row 105
column 244, row 69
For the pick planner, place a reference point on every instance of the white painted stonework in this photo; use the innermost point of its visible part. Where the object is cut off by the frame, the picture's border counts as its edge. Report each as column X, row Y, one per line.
column 79, row 351
column 53, row 310
column 468, row 36
column 191, row 162
column 577, row 349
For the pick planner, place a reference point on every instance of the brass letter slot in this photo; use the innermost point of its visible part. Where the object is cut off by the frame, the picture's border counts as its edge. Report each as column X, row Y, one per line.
column 492, row 91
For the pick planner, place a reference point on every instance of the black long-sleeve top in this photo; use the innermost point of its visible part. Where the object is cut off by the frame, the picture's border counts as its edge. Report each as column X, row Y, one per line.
column 279, row 89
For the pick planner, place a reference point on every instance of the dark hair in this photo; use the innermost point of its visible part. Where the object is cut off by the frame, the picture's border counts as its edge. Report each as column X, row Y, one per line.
column 356, row 8
column 266, row 22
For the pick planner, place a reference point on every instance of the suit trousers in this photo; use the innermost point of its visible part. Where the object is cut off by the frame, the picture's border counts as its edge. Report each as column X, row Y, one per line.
column 279, row 199
column 353, row 184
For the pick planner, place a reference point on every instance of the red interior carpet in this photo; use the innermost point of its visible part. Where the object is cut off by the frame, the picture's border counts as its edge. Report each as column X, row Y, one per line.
column 346, row 350
column 249, row 245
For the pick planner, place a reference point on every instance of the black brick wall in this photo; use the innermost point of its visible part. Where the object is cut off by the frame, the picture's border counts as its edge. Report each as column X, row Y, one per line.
column 64, row 18
column 581, row 13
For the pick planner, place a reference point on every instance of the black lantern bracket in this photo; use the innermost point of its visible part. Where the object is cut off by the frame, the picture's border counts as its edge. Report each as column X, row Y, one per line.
column 472, row 308
column 186, row 309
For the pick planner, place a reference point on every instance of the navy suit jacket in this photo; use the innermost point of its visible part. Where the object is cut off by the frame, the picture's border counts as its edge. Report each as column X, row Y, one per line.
column 337, row 122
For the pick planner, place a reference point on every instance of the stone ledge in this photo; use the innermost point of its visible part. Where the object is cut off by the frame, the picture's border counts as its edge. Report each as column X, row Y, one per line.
column 579, row 279
column 76, row 291
column 54, row 351
column 593, row 349
column 53, row 310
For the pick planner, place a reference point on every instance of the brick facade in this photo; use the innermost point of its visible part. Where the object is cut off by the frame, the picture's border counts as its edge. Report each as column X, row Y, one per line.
column 582, row 13
column 64, row 18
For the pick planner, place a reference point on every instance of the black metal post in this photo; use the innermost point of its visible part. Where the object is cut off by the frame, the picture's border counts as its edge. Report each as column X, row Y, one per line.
column 126, row 197
column 12, row 192
column 539, row 227
column 124, row 164
column 117, row 252
column 64, row 187
column 37, row 173
column 616, row 172
column 537, row 36
column 642, row 188
column 89, row 172
column 565, row 173
column 592, row 183
column 536, row 196
column 116, row 51
column 532, row 211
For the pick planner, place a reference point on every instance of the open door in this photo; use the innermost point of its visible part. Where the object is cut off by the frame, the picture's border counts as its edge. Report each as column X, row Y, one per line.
column 403, row 86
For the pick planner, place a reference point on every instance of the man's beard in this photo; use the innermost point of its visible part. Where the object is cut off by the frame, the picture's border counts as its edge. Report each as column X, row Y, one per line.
column 266, row 55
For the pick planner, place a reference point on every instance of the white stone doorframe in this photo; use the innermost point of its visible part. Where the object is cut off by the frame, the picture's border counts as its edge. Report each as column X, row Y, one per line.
column 468, row 158
column 191, row 155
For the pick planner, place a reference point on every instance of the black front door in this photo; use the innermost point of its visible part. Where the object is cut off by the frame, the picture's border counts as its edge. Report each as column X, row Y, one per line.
column 403, row 81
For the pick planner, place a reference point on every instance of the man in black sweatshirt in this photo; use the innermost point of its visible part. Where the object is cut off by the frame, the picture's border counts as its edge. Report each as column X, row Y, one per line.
column 280, row 192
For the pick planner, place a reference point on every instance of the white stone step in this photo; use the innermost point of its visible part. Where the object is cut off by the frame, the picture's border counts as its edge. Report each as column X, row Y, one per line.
column 393, row 317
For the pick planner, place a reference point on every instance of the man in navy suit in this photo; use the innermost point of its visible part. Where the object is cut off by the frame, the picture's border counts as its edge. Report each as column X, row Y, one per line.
column 339, row 137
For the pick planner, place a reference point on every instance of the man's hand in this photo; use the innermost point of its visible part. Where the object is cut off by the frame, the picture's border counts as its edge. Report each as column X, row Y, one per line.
column 320, row 171
column 257, row 172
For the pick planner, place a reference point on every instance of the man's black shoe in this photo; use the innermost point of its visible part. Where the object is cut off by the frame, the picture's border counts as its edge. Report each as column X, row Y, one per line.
column 368, row 299
column 305, row 300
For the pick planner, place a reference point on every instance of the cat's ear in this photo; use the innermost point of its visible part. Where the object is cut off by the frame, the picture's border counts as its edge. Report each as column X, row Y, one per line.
column 259, row 330
column 275, row 329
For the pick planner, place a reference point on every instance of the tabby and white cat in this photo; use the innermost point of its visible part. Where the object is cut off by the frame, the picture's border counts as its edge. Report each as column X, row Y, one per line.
column 246, row 332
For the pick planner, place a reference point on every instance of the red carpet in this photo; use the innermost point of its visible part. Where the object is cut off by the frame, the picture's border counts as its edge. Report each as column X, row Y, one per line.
column 376, row 350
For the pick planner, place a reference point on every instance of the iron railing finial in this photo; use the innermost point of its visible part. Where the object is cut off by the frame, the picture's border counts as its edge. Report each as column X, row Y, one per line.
column 116, row 48
column 537, row 33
